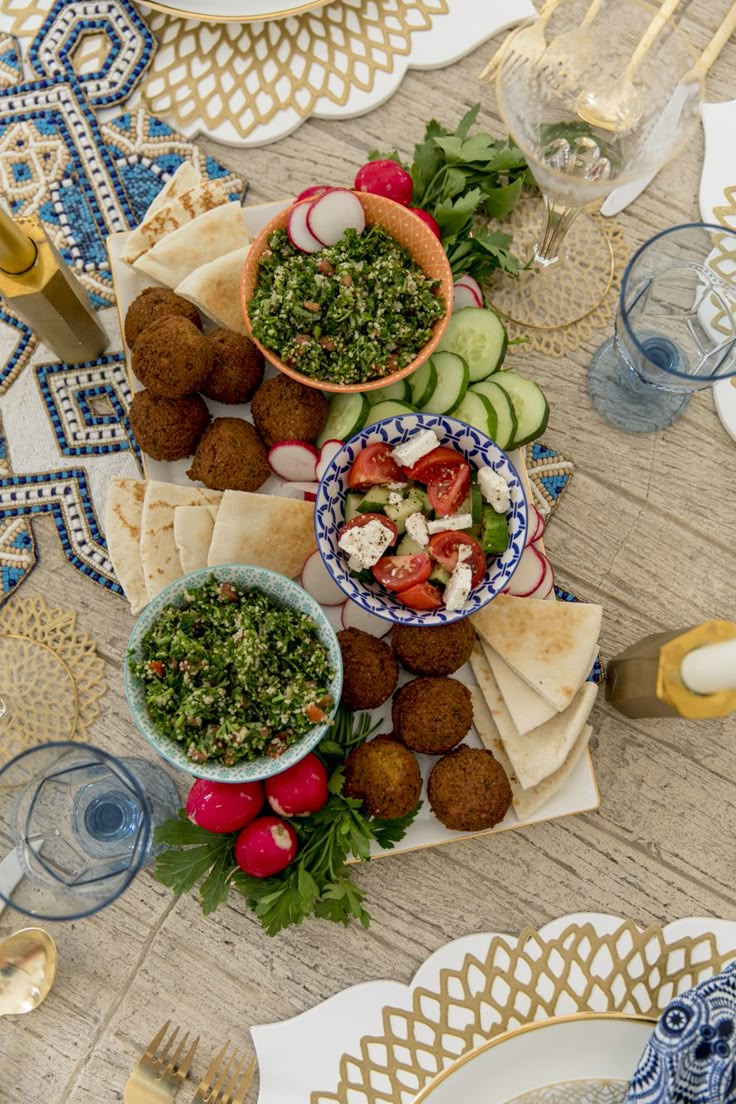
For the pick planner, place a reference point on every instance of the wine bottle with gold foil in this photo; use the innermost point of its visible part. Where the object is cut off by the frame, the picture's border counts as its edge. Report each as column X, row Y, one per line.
column 45, row 294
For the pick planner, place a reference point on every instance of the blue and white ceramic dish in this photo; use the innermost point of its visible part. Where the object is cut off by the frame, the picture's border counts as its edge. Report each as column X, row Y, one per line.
column 281, row 590
column 329, row 514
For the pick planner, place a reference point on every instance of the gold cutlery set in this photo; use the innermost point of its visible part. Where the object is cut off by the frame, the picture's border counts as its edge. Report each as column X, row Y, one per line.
column 162, row 1070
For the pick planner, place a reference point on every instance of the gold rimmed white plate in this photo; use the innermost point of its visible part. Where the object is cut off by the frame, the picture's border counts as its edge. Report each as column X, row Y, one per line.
column 577, row 1059
column 233, row 11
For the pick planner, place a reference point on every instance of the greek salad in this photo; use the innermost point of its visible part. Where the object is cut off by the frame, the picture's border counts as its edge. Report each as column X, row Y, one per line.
column 420, row 521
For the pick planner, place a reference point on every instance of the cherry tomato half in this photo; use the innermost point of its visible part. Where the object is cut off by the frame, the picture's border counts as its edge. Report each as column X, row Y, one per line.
column 363, row 519
column 424, row 596
column 399, row 573
column 441, row 457
column 448, row 489
column 375, row 464
column 444, row 547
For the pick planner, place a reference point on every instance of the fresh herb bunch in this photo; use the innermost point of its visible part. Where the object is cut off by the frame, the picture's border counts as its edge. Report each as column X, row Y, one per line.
column 318, row 882
column 458, row 180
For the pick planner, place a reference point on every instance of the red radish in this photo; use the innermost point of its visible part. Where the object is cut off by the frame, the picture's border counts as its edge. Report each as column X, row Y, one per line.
column 307, row 492
column 265, row 847
column 329, row 216
column 224, row 806
column 472, row 284
column 299, row 790
column 328, row 451
column 298, row 231
column 313, row 191
column 529, row 573
column 318, row 582
column 355, row 617
column 546, row 586
column 536, row 527
column 428, row 220
column 462, row 297
column 385, row 178
column 294, row 460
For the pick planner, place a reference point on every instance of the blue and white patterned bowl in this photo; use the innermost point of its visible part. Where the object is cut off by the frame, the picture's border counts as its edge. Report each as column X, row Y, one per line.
column 281, row 590
column 329, row 515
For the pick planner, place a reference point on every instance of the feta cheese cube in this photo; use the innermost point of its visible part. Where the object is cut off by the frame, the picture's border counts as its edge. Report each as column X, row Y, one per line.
column 464, row 552
column 395, row 499
column 454, row 521
column 494, row 489
column 458, row 588
column 365, row 544
column 415, row 447
column 416, row 527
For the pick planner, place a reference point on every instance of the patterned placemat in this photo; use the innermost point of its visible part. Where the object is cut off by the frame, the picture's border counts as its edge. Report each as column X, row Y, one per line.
column 250, row 83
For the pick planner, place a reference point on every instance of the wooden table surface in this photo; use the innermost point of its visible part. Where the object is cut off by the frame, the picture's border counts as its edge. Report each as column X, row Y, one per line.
column 647, row 528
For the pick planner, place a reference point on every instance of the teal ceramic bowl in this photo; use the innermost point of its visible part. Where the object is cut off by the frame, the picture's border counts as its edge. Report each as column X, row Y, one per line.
column 283, row 591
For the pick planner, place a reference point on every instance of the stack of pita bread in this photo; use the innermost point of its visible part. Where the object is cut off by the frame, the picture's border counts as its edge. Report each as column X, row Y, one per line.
column 157, row 532
column 531, row 660
column 194, row 239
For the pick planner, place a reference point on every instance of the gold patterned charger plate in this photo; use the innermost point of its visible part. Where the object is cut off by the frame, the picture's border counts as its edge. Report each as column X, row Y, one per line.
column 232, row 11
column 383, row 1042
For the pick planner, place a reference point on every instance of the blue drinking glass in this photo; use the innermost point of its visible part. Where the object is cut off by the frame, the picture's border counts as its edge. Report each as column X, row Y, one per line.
column 81, row 823
column 675, row 329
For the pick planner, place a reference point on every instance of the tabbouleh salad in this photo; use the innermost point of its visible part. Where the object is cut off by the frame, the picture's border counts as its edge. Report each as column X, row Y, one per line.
column 350, row 313
column 232, row 675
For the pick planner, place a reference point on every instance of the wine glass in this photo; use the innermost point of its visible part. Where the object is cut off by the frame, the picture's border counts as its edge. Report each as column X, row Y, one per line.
column 81, row 823
column 611, row 103
column 675, row 329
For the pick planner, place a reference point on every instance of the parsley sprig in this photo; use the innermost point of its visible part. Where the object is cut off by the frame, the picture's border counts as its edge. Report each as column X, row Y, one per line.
column 462, row 181
column 319, row 882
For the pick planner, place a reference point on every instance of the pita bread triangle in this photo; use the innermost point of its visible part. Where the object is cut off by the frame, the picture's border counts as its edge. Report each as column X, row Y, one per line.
column 214, row 289
column 527, row 709
column 547, row 644
column 158, row 552
column 185, row 177
column 193, row 527
column 263, row 530
column 172, row 214
column 123, row 513
column 194, row 244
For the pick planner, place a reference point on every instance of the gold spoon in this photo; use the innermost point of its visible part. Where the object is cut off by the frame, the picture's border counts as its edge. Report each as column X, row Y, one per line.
column 27, row 970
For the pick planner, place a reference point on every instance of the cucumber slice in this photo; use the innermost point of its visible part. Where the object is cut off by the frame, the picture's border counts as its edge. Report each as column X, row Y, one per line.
column 452, row 383
column 346, row 415
column 352, row 504
column 501, row 403
column 399, row 514
column 530, row 407
column 407, row 546
column 476, row 504
column 389, row 408
column 476, row 410
column 374, row 500
column 423, row 382
column 479, row 337
column 399, row 391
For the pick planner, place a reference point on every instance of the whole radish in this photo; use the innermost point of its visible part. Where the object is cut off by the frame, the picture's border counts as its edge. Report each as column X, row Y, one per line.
column 224, row 806
column 428, row 220
column 265, row 847
column 300, row 789
column 385, row 178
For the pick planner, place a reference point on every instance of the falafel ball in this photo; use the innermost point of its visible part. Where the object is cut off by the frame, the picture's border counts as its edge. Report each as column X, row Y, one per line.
column 433, row 649
column 154, row 303
column 432, row 715
column 237, row 369
column 369, row 669
column 168, row 429
column 468, row 790
column 385, row 776
column 285, row 410
column 172, row 358
column 230, row 457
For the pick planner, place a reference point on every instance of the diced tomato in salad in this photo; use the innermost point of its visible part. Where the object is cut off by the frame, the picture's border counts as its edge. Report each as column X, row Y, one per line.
column 374, row 465
column 424, row 596
column 445, row 549
column 399, row 573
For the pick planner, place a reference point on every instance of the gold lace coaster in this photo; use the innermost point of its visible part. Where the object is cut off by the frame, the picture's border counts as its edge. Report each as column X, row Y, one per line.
column 532, row 978
column 51, row 677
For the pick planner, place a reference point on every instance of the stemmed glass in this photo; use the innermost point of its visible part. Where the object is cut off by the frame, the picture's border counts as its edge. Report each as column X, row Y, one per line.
column 675, row 329
column 605, row 95
column 81, row 823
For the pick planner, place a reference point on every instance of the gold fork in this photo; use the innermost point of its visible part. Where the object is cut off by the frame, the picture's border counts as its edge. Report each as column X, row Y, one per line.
column 157, row 1078
column 224, row 1087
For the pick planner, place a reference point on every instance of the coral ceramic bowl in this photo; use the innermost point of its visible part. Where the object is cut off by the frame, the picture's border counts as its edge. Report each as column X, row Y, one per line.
column 407, row 230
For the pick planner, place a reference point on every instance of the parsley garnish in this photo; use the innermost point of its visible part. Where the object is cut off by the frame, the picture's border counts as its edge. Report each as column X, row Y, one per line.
column 319, row 882
column 462, row 181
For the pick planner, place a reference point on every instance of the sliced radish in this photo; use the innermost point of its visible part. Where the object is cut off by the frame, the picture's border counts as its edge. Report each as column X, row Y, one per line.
column 472, row 284
column 313, row 191
column 548, row 579
column 305, row 491
column 536, row 527
column 355, row 617
column 328, row 451
column 529, row 575
column 318, row 582
column 331, row 214
column 463, row 296
column 294, row 460
column 298, row 231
